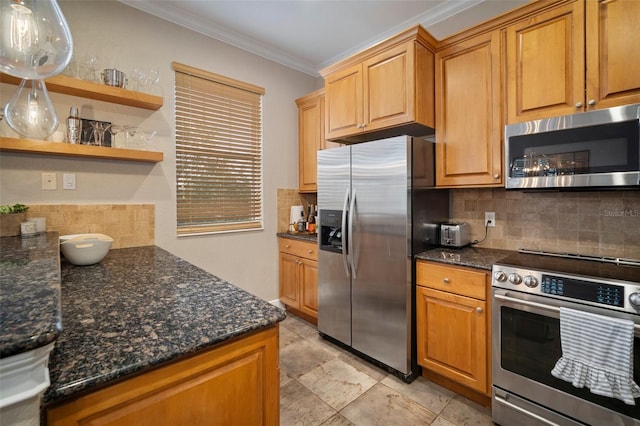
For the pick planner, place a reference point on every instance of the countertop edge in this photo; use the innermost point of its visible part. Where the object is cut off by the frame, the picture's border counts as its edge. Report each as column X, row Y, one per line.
column 471, row 257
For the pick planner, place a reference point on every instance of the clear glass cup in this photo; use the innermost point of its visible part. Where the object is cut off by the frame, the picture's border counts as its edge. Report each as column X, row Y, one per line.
column 99, row 129
column 115, row 141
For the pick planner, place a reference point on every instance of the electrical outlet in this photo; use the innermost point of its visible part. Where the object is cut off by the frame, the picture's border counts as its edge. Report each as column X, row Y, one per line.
column 49, row 182
column 490, row 219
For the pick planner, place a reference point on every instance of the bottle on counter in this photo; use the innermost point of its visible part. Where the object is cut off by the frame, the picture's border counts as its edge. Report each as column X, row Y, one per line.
column 311, row 222
column 74, row 126
column 302, row 223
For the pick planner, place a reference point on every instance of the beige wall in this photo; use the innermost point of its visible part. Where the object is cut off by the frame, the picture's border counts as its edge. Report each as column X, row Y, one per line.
column 605, row 223
column 123, row 37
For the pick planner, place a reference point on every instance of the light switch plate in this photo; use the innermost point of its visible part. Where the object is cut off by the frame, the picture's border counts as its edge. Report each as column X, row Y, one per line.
column 68, row 181
column 49, row 182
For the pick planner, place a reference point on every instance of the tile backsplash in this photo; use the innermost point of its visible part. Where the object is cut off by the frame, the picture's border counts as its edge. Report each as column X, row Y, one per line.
column 287, row 198
column 603, row 223
column 130, row 225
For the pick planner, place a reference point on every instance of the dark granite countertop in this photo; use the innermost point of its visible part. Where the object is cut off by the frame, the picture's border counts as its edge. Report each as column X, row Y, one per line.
column 140, row 308
column 304, row 236
column 29, row 292
column 474, row 257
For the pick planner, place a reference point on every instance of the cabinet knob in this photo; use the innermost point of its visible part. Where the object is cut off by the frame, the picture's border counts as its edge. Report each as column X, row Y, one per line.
column 592, row 102
column 287, row 246
column 496, row 176
column 578, row 104
column 446, row 280
column 479, row 310
column 310, row 251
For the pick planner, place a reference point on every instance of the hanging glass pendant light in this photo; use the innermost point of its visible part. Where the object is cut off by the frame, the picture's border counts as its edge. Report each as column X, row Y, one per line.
column 35, row 40
column 30, row 111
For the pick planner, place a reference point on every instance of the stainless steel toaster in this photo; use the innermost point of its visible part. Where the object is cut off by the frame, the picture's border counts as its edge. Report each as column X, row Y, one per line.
column 455, row 234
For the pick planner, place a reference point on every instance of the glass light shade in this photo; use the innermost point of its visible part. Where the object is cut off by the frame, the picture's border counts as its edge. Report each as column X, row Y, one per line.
column 30, row 111
column 35, row 40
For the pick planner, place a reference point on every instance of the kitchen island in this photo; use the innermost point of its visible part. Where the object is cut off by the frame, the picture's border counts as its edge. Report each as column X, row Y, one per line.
column 148, row 338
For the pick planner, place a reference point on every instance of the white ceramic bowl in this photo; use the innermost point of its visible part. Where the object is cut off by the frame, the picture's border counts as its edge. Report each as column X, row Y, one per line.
column 85, row 249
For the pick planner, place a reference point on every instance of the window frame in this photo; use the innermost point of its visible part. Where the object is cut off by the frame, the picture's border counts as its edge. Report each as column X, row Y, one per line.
column 242, row 158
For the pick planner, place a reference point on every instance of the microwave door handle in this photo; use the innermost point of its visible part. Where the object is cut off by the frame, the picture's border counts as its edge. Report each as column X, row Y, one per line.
column 636, row 327
column 344, row 231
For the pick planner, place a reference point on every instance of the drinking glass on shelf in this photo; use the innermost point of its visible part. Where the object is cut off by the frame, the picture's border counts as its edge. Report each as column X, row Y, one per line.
column 154, row 82
column 130, row 133
column 148, row 135
column 114, row 130
column 90, row 68
column 99, row 129
column 139, row 79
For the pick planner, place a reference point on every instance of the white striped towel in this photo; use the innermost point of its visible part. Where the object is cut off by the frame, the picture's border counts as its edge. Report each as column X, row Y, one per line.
column 597, row 353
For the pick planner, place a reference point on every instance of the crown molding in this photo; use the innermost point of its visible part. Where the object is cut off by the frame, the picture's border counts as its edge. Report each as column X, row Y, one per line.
column 172, row 12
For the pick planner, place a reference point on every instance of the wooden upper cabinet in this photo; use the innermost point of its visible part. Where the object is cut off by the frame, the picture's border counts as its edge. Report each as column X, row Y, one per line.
column 545, row 64
column 613, row 52
column 388, row 81
column 344, row 102
column 580, row 56
column 469, row 113
column 386, row 86
column 310, row 139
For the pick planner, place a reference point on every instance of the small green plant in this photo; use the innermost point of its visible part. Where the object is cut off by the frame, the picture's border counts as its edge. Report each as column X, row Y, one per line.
column 16, row 208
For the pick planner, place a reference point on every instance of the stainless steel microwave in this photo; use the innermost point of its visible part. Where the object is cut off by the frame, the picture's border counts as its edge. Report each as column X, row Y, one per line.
column 596, row 149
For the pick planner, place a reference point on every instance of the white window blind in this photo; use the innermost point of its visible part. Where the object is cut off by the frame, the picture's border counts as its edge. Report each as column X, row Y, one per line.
column 218, row 152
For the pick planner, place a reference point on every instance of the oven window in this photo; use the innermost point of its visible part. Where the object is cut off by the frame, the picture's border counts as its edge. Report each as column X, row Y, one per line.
column 530, row 346
column 604, row 148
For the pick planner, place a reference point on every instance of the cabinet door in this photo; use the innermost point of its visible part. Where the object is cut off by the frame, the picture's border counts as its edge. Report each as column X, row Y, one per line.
column 545, row 64
column 452, row 336
column 343, row 92
column 289, row 280
column 469, row 113
column 388, row 88
column 613, row 53
column 234, row 384
column 309, row 287
column 310, row 140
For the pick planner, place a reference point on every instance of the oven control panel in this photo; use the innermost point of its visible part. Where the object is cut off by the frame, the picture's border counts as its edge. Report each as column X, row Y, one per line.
column 622, row 296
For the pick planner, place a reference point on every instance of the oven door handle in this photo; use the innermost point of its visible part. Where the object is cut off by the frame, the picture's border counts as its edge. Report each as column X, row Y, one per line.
column 541, row 419
column 636, row 327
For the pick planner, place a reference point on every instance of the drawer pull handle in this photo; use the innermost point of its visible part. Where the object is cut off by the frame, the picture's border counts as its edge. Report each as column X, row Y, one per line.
column 479, row 310
column 310, row 251
column 446, row 280
column 287, row 246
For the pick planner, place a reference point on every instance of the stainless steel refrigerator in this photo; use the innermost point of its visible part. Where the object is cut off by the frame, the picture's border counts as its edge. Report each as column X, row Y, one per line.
column 377, row 208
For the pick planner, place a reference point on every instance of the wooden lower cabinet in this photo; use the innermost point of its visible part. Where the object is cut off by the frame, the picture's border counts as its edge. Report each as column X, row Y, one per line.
column 299, row 277
column 236, row 383
column 452, row 324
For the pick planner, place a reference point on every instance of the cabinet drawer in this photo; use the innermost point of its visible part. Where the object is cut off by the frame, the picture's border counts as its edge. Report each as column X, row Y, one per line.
column 451, row 279
column 308, row 250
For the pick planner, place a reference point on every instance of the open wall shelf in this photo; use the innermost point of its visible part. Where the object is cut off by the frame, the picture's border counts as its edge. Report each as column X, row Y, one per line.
column 90, row 90
column 30, row 146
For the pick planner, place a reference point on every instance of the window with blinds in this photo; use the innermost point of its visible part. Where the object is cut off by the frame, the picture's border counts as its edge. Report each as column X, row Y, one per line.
column 218, row 153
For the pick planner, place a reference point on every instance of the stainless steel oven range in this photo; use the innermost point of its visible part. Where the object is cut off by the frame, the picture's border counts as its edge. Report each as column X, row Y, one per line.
column 528, row 291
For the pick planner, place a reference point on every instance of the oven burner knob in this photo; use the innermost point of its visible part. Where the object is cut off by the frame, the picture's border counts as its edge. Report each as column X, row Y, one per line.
column 634, row 299
column 530, row 281
column 500, row 276
column 515, row 278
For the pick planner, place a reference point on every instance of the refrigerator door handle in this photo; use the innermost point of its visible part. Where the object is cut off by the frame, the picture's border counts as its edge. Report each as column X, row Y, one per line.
column 345, row 206
column 350, row 238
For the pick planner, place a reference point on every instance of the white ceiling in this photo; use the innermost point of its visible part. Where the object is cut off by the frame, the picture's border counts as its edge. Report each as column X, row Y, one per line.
column 309, row 35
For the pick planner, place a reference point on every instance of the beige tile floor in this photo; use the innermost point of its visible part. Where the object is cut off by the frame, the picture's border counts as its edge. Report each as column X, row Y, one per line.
column 322, row 384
